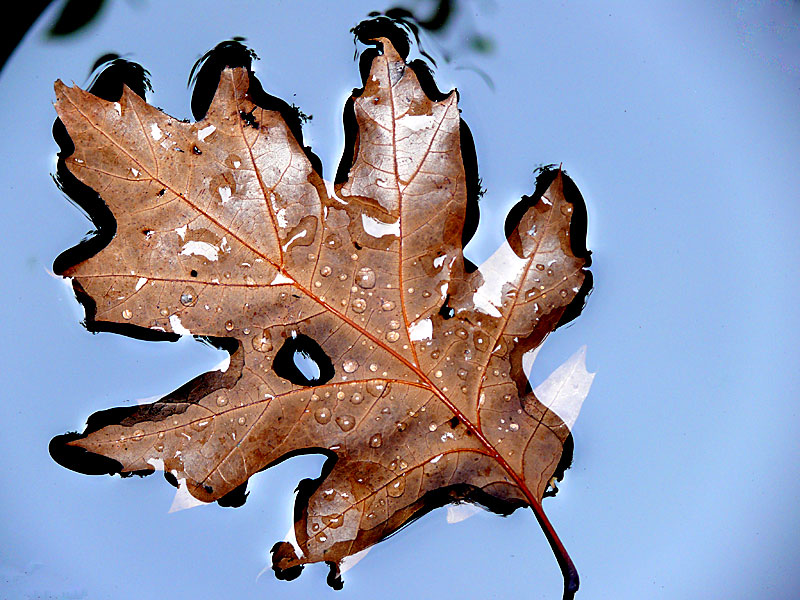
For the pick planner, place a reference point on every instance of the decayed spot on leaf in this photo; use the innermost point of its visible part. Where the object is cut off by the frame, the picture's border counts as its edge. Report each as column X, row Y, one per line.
column 353, row 326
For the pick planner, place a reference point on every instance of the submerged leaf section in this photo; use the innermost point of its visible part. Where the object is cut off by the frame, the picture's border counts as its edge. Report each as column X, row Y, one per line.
column 353, row 325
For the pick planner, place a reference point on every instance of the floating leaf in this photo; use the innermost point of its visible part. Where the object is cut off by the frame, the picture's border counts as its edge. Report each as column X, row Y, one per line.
column 354, row 326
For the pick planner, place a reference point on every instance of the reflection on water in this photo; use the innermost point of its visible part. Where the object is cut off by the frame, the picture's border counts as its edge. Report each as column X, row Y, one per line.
column 301, row 360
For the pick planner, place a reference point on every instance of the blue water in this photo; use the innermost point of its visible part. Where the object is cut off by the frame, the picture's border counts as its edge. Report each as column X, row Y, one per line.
column 678, row 123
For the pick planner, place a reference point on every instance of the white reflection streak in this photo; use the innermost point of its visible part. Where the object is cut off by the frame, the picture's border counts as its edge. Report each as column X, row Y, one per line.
column 563, row 392
column 566, row 388
column 501, row 269
column 460, row 512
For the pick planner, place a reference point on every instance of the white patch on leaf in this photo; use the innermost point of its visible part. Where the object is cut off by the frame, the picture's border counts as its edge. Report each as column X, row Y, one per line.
column 503, row 266
column 281, row 216
column 280, row 278
column 417, row 122
column 177, row 326
column 205, row 249
column 377, row 228
column 420, row 330
column 205, row 132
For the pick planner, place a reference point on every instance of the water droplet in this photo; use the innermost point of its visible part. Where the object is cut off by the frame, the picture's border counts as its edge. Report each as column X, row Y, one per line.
column 333, row 521
column 435, row 354
column 345, row 422
column 513, row 427
column 229, row 326
column 126, row 314
column 349, row 365
column 159, row 447
column 432, row 427
column 138, row 434
column 462, row 333
column 392, row 336
column 400, row 426
column 396, row 488
column 248, row 280
column 365, row 278
column 563, row 293
column 411, row 290
column 340, row 395
column 375, row 441
column 394, row 324
column 507, row 397
column 322, row 415
column 333, row 241
column 163, row 312
column 262, row 342
column 221, row 400
column 199, row 425
column 373, row 367
column 540, row 267
column 321, row 538
column 566, row 210
column 357, row 398
column 376, row 387
column 438, row 374
column 462, row 373
column 402, row 464
column 388, row 305
column 188, row 296
column 481, row 340
column 242, row 420
column 359, row 305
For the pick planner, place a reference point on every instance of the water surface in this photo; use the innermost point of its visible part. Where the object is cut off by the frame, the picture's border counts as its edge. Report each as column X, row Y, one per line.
column 679, row 126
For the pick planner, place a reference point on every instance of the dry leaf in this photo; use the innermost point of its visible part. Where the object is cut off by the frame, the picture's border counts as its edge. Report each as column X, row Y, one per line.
column 353, row 325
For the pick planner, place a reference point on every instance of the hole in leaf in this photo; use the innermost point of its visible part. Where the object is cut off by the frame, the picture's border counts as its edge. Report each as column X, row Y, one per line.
column 445, row 311
column 302, row 361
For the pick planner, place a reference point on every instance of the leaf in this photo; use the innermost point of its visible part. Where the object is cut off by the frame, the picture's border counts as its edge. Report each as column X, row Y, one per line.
column 354, row 327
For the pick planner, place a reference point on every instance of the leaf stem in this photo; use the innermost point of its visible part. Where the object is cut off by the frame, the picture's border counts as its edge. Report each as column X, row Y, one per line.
column 568, row 570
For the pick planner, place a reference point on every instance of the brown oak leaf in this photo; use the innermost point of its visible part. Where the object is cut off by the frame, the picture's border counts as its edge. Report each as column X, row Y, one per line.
column 355, row 328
